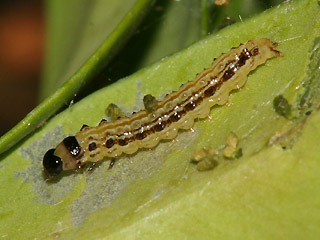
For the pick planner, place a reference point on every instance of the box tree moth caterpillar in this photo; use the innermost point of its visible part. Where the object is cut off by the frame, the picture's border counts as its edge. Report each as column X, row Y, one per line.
column 177, row 110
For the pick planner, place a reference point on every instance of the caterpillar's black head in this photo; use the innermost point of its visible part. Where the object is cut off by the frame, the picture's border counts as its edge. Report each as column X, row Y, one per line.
column 52, row 164
column 66, row 156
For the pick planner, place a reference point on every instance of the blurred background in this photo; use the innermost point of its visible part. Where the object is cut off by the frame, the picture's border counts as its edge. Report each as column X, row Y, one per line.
column 21, row 57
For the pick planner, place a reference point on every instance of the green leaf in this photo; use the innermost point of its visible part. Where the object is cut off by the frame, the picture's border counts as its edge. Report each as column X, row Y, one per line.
column 267, row 193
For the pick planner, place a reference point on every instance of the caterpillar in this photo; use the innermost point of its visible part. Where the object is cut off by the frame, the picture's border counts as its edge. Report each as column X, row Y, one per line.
column 178, row 110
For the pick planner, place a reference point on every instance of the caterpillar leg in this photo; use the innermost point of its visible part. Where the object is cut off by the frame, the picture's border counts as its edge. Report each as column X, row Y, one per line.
column 112, row 162
column 92, row 166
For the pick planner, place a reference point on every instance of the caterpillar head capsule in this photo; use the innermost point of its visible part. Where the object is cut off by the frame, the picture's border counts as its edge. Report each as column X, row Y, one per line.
column 51, row 163
column 66, row 156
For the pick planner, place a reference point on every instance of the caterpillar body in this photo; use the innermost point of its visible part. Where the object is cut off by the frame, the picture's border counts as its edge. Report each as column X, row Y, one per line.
column 177, row 110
